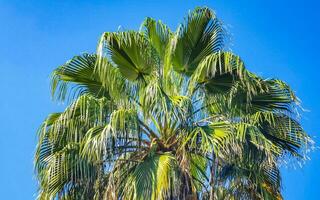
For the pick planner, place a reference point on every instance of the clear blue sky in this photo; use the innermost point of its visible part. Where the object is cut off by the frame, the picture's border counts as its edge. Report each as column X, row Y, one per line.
column 275, row 39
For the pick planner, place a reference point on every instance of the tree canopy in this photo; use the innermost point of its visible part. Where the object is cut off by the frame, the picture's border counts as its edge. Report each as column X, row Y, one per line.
column 156, row 114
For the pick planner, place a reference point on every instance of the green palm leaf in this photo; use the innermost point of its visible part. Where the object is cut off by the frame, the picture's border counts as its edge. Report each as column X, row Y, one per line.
column 201, row 35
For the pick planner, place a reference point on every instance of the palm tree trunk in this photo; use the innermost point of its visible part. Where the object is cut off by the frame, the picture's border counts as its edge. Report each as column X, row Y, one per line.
column 213, row 175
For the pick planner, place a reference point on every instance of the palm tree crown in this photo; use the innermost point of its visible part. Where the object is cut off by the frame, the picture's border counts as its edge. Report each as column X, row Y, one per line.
column 156, row 114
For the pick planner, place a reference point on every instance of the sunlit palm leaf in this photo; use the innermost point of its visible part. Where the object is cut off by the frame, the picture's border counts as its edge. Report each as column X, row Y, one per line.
column 201, row 35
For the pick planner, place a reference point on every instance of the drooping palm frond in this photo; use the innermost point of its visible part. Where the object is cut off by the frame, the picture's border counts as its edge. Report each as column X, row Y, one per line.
column 156, row 114
column 250, row 176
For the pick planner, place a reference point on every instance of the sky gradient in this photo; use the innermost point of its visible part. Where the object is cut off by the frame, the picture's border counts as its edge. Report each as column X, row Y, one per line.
column 274, row 38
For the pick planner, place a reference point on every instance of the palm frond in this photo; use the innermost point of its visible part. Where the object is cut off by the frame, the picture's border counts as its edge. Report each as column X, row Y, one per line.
column 201, row 35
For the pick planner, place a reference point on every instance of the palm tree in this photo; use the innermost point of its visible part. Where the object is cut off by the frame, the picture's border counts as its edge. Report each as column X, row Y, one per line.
column 156, row 114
